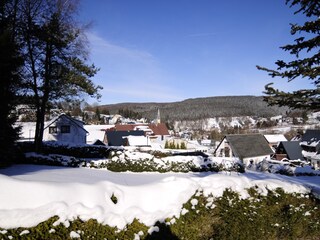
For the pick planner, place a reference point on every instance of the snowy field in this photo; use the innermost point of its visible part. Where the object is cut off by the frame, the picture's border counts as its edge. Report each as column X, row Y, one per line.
column 31, row 194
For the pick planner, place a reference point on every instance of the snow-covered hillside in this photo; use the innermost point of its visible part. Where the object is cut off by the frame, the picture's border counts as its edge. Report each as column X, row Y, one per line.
column 209, row 124
column 279, row 123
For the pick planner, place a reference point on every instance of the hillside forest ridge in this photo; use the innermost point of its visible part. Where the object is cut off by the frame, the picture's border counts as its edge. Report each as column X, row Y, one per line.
column 201, row 108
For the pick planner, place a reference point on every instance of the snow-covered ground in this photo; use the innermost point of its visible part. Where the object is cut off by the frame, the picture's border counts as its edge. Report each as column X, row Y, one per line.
column 31, row 194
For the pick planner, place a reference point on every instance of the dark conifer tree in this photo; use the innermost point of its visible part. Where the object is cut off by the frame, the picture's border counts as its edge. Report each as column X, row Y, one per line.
column 306, row 64
column 55, row 54
column 10, row 63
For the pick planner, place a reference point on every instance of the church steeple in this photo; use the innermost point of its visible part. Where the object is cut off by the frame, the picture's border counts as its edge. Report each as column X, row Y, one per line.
column 158, row 120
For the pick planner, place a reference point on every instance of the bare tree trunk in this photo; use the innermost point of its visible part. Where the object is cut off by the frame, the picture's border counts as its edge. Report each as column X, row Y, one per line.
column 39, row 129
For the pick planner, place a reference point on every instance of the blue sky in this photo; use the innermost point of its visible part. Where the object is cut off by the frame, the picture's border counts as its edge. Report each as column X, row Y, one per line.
column 171, row 50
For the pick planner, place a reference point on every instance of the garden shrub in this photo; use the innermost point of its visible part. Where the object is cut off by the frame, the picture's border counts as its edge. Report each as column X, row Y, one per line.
column 77, row 151
column 52, row 160
column 278, row 215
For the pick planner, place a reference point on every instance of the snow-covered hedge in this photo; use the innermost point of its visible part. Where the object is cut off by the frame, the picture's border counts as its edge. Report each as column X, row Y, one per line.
column 284, row 169
column 78, row 151
column 52, row 160
column 136, row 161
column 120, row 160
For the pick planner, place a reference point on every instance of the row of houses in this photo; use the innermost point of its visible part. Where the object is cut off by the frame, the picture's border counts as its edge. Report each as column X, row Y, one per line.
column 67, row 129
column 250, row 148
column 254, row 148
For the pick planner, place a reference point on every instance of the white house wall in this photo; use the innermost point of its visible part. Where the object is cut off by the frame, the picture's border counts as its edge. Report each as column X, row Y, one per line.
column 221, row 150
column 76, row 135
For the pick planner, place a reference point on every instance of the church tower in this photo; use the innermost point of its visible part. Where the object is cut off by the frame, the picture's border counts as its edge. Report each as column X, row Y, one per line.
column 158, row 120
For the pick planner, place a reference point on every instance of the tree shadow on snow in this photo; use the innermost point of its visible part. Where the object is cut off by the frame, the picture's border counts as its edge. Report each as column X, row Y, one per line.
column 20, row 169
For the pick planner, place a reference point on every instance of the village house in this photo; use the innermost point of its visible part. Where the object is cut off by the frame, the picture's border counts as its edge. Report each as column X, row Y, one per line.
column 65, row 129
column 156, row 131
column 290, row 150
column 119, row 138
column 249, row 148
column 62, row 128
column 310, row 142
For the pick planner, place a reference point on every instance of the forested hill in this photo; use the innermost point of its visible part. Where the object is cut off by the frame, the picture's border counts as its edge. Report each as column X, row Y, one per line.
column 199, row 108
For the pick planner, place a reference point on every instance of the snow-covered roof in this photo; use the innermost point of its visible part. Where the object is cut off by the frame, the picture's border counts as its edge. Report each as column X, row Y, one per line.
column 77, row 122
column 95, row 132
column 310, row 144
column 311, row 138
column 275, row 138
column 206, row 141
column 193, row 144
column 138, row 140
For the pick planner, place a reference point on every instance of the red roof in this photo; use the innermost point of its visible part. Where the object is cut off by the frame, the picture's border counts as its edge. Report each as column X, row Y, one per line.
column 159, row 129
column 125, row 127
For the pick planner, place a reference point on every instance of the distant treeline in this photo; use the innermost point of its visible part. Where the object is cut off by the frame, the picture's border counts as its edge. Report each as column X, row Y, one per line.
column 200, row 108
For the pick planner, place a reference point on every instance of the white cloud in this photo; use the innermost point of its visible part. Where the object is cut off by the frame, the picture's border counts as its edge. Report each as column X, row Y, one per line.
column 102, row 46
column 144, row 93
column 129, row 74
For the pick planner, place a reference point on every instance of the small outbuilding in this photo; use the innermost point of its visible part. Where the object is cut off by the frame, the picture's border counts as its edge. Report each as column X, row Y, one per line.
column 119, row 138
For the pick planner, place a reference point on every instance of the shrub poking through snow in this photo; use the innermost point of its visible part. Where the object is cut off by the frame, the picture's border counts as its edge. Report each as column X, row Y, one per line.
column 114, row 199
column 275, row 215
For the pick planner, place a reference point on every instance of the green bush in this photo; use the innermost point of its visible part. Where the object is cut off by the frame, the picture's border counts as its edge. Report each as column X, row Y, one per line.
column 277, row 215
column 274, row 216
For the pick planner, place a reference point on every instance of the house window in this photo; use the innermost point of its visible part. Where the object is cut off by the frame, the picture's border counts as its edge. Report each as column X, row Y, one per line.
column 65, row 129
column 227, row 152
column 53, row 130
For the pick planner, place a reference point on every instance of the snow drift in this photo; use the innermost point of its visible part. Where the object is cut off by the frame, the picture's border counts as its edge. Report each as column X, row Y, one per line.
column 32, row 194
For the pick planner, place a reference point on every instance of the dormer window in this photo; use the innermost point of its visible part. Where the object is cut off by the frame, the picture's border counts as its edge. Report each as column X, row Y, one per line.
column 65, row 129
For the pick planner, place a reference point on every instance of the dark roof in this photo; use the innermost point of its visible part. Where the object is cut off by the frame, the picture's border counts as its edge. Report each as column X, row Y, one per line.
column 248, row 145
column 115, row 138
column 311, row 135
column 98, row 143
column 292, row 149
